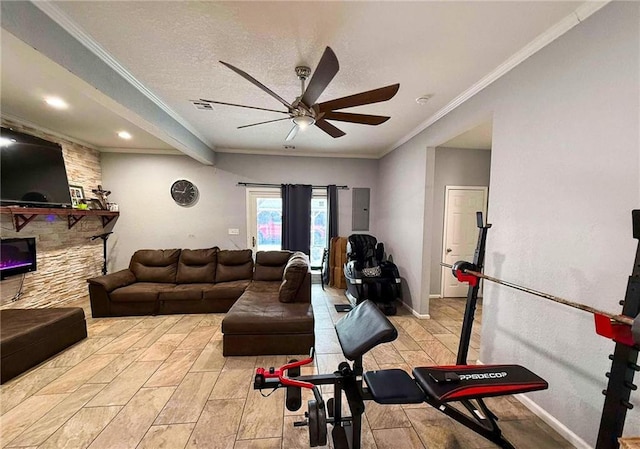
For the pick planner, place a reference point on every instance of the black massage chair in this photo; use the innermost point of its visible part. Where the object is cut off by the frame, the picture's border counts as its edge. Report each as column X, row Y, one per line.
column 369, row 276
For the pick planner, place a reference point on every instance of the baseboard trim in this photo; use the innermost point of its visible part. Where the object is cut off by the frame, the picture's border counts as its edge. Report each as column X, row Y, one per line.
column 435, row 296
column 414, row 313
column 553, row 422
column 550, row 420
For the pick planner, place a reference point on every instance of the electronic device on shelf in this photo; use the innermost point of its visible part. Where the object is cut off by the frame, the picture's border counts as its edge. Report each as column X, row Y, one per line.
column 32, row 171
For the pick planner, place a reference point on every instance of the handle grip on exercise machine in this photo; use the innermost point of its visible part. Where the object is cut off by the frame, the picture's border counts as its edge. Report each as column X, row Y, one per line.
column 271, row 373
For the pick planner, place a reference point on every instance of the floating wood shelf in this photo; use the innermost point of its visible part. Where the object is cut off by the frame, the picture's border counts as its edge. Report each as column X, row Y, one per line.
column 22, row 216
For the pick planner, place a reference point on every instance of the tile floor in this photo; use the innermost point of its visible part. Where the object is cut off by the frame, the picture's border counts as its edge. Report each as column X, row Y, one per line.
column 162, row 382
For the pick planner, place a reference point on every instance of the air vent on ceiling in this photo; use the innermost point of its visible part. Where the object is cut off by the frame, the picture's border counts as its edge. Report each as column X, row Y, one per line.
column 202, row 105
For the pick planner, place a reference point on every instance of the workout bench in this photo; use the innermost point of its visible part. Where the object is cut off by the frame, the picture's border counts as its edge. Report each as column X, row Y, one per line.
column 364, row 328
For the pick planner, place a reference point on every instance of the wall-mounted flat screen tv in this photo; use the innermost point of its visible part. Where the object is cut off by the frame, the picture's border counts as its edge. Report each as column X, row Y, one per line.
column 32, row 171
column 17, row 256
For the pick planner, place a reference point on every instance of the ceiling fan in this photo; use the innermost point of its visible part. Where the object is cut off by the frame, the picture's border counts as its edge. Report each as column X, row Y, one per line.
column 304, row 111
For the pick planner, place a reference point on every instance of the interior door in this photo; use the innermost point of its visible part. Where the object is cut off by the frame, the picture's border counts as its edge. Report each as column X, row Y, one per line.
column 460, row 232
column 264, row 219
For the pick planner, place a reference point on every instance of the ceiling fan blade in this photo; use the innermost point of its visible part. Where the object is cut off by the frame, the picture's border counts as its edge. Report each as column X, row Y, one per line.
column 322, row 76
column 251, row 79
column 329, row 128
column 292, row 134
column 364, row 119
column 368, row 97
column 262, row 123
column 243, row 106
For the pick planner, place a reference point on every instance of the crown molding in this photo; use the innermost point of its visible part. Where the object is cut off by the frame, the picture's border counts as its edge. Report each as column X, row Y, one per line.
column 576, row 17
column 64, row 21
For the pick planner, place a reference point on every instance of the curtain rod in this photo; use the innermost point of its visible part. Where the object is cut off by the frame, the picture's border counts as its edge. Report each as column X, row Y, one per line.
column 255, row 184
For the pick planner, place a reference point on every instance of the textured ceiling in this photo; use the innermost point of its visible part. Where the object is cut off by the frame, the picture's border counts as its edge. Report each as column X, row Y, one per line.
column 437, row 48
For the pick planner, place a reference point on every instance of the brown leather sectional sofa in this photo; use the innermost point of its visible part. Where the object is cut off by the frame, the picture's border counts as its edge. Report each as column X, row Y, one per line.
column 267, row 303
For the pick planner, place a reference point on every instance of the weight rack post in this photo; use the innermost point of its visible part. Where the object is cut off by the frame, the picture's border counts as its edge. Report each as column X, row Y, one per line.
column 623, row 365
column 472, row 293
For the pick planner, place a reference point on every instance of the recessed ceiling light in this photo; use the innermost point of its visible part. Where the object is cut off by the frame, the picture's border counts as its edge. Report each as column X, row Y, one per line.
column 5, row 142
column 56, row 102
column 124, row 135
column 424, row 99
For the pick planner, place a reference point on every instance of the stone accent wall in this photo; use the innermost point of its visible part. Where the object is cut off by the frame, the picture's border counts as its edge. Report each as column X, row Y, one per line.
column 66, row 258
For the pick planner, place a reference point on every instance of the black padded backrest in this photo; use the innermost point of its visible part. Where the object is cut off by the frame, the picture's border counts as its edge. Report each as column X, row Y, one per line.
column 361, row 247
column 362, row 329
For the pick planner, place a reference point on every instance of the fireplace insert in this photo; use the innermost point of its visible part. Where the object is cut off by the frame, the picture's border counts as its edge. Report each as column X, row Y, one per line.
column 17, row 256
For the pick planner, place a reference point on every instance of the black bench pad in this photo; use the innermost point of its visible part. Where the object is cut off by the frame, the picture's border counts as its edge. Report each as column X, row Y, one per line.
column 30, row 336
column 362, row 329
column 477, row 381
column 393, row 386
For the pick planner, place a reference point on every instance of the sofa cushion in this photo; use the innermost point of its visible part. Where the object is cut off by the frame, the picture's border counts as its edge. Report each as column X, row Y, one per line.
column 155, row 265
column 224, row 290
column 181, row 292
column 140, row 292
column 197, row 265
column 270, row 265
column 293, row 277
column 259, row 313
column 234, row 265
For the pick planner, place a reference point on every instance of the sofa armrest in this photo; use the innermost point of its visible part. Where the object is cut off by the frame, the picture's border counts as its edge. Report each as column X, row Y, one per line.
column 115, row 280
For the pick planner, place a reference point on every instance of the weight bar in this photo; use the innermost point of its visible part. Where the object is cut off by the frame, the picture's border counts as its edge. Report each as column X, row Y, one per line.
column 469, row 269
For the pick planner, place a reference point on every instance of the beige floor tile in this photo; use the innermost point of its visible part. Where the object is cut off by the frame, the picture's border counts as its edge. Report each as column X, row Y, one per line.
column 162, row 348
column 386, row 354
column 527, row 434
column 405, row 438
column 124, row 342
column 435, row 430
column 119, row 364
column 125, row 385
column 152, row 322
column 57, row 416
column 265, row 443
column 451, row 341
column 118, row 326
column 211, row 358
column 267, row 361
column 79, row 431
column 404, row 342
column 72, row 379
column 173, row 370
column 78, row 352
column 247, row 362
column 417, row 358
column 155, row 333
column 212, row 319
column 18, row 419
column 197, row 338
column 186, row 324
column 18, row 389
column 218, row 425
column 233, row 384
column 262, row 416
column 130, row 425
column 172, row 436
column 327, row 342
column 189, row 399
column 438, row 352
column 386, row 416
column 416, row 331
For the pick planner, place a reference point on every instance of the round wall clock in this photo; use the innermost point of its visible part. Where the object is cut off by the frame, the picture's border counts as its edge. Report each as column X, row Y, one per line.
column 184, row 192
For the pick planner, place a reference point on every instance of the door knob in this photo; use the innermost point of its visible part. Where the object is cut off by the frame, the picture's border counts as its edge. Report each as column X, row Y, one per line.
column 449, row 250
column 253, row 241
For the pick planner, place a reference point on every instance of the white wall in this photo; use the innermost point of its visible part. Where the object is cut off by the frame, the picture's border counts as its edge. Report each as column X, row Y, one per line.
column 565, row 175
column 453, row 167
column 400, row 218
column 149, row 218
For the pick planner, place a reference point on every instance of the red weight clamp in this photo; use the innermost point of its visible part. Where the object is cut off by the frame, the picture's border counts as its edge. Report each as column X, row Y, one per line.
column 464, row 277
column 620, row 333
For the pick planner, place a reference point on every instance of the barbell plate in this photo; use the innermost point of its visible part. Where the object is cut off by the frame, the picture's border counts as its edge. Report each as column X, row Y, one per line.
column 317, row 424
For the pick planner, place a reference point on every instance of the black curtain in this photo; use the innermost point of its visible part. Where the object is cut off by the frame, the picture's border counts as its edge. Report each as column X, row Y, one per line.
column 332, row 198
column 296, row 217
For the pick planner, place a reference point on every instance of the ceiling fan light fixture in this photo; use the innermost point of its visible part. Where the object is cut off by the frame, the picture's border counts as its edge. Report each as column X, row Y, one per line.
column 303, row 121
